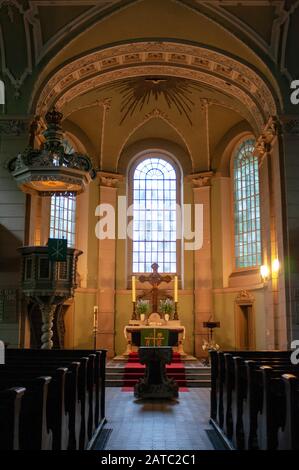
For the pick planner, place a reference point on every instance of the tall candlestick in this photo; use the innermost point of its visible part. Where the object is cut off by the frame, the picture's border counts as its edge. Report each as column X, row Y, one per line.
column 175, row 288
column 95, row 317
column 95, row 326
column 133, row 289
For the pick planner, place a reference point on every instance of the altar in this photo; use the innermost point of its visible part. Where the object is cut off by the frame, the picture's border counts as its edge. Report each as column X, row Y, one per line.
column 170, row 334
column 159, row 328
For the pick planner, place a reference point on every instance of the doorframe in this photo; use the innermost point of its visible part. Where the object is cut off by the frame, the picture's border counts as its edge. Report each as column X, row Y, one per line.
column 245, row 298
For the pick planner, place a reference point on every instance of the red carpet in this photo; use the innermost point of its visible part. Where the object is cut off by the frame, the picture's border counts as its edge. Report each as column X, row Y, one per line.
column 134, row 371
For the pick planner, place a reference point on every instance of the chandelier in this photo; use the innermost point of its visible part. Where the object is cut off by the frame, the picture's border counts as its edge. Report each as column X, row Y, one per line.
column 50, row 170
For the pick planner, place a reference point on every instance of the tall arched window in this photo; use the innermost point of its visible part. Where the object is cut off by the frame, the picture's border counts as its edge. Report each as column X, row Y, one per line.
column 154, row 211
column 247, row 206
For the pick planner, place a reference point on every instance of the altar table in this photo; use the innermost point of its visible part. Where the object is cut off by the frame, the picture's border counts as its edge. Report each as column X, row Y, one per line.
column 136, row 336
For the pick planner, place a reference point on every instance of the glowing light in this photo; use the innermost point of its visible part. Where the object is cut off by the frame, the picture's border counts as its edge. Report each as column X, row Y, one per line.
column 264, row 270
column 275, row 265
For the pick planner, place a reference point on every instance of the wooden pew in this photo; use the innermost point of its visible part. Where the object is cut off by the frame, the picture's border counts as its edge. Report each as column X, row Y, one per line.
column 93, row 409
column 218, row 379
column 232, row 410
column 33, row 431
column 273, row 413
column 288, row 436
column 10, row 408
column 247, row 397
column 56, row 416
column 76, row 406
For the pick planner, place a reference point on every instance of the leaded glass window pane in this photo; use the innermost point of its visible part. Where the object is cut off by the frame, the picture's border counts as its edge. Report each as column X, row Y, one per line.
column 154, row 229
column 63, row 218
column 247, row 206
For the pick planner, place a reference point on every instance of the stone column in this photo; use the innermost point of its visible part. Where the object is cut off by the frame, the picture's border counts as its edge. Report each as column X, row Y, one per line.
column 269, row 150
column 203, row 299
column 106, row 270
column 290, row 141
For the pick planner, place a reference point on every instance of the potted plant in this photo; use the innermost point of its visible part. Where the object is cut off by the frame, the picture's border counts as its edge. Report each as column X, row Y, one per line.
column 142, row 308
column 167, row 308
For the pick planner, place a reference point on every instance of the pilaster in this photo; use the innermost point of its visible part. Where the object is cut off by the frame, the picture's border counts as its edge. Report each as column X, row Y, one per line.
column 203, row 300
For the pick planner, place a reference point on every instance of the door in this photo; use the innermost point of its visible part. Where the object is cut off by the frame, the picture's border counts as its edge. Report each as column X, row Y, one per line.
column 245, row 327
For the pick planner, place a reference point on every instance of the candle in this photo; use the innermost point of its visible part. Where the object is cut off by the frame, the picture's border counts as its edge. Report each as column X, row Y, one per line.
column 95, row 316
column 133, row 289
column 175, row 288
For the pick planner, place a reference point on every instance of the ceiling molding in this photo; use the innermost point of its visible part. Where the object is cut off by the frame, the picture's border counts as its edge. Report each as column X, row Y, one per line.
column 16, row 81
column 155, row 113
column 35, row 47
column 213, row 68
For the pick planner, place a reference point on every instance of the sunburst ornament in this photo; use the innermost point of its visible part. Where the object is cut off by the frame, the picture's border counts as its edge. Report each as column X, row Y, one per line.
column 138, row 92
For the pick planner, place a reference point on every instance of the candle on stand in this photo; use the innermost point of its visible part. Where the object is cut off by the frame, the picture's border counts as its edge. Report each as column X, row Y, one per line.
column 95, row 317
column 95, row 326
column 133, row 289
column 175, row 289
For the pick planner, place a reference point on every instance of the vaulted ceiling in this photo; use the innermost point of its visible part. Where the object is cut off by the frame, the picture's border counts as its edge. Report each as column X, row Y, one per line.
column 241, row 55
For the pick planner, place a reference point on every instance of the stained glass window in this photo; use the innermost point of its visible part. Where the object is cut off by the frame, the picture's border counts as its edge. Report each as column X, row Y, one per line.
column 63, row 218
column 247, row 206
column 154, row 226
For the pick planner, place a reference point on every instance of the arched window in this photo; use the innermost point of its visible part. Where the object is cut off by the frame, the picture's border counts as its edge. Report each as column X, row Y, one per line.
column 247, row 219
column 154, row 212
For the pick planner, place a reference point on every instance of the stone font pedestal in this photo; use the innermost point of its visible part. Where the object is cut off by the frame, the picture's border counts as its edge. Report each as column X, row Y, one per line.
column 155, row 383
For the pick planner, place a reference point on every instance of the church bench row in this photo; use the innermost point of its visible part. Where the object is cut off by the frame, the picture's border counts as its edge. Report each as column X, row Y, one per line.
column 240, row 397
column 73, row 354
column 27, row 429
column 80, row 394
column 10, row 406
column 77, row 395
column 51, row 403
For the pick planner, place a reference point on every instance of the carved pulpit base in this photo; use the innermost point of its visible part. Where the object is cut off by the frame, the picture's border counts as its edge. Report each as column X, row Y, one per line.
column 155, row 383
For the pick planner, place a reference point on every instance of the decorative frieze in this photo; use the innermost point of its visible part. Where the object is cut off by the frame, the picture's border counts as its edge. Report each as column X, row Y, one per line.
column 200, row 180
column 14, row 126
column 244, row 297
column 109, row 180
column 156, row 59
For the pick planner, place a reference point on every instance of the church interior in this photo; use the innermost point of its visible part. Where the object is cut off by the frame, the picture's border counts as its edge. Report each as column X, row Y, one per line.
column 149, row 214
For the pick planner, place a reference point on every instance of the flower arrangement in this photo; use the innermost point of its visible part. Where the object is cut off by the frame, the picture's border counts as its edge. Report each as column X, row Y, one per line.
column 210, row 345
column 142, row 307
column 167, row 307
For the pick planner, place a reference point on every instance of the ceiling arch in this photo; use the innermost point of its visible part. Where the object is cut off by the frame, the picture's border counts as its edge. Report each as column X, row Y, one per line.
column 170, row 58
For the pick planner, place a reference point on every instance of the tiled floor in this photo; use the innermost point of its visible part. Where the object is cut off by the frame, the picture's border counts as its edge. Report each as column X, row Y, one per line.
column 158, row 424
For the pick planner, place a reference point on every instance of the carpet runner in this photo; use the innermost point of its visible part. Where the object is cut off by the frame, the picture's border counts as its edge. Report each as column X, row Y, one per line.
column 134, row 371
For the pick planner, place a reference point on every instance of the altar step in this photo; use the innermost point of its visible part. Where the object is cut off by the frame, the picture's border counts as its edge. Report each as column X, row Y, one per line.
column 189, row 377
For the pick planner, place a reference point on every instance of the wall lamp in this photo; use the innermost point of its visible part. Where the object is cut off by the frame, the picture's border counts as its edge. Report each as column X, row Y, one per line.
column 265, row 271
column 275, row 266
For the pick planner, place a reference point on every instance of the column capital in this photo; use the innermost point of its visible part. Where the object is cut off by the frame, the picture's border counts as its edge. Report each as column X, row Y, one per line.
column 200, row 180
column 267, row 138
column 109, row 180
